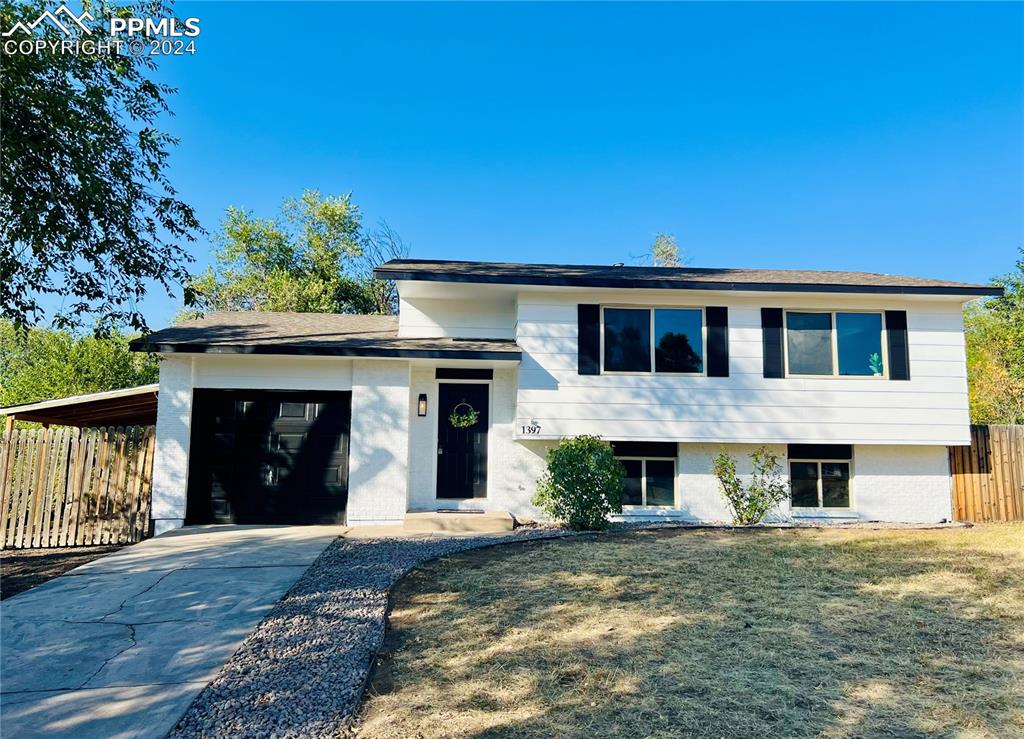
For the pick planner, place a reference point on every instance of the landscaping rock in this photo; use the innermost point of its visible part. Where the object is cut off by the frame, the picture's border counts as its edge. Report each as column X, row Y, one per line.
column 302, row 672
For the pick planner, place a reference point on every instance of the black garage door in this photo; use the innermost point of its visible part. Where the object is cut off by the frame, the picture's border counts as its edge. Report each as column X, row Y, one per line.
column 268, row 457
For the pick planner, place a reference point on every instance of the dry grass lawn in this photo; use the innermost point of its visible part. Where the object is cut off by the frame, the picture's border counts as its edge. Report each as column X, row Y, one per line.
column 777, row 633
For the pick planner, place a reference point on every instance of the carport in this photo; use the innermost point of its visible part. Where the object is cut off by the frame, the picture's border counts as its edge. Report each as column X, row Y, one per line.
column 130, row 406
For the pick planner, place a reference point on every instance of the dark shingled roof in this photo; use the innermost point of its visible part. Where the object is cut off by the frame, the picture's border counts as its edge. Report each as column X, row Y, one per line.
column 678, row 278
column 251, row 332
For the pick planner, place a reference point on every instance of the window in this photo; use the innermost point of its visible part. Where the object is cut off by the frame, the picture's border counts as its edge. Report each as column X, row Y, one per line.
column 292, row 410
column 649, row 482
column 809, row 343
column 679, row 339
column 819, row 484
column 627, row 340
column 669, row 340
column 834, row 343
column 859, row 341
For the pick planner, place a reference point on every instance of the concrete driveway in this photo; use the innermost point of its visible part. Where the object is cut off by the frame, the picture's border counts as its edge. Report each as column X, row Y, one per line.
column 119, row 647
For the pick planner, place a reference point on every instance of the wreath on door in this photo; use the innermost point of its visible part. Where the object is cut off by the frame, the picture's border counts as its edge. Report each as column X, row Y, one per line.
column 463, row 416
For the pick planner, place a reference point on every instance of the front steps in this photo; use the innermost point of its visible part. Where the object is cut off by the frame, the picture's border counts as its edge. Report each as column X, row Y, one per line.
column 458, row 522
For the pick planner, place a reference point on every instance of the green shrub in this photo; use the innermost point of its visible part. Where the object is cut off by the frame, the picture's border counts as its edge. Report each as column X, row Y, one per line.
column 582, row 485
column 751, row 503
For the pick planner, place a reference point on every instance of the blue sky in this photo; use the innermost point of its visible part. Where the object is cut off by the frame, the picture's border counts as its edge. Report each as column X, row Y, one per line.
column 866, row 136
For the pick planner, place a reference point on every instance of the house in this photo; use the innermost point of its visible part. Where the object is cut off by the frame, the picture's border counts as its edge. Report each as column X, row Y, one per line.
column 857, row 379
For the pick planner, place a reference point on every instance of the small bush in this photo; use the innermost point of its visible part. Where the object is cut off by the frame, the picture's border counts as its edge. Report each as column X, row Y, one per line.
column 750, row 504
column 582, row 485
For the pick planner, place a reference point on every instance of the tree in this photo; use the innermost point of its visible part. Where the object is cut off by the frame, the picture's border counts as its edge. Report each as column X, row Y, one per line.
column 41, row 363
column 313, row 258
column 995, row 352
column 665, row 251
column 88, row 215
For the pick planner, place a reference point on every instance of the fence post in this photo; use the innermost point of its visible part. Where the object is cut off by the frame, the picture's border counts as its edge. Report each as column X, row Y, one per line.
column 6, row 490
column 39, row 488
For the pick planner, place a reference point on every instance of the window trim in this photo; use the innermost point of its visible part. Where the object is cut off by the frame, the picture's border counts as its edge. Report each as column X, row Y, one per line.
column 835, row 345
column 820, row 508
column 653, row 371
column 643, row 482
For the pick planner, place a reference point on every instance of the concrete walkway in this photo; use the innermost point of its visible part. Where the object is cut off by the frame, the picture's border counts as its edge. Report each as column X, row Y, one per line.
column 121, row 646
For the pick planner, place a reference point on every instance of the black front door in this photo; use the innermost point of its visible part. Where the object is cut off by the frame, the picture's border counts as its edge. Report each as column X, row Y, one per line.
column 268, row 457
column 461, row 449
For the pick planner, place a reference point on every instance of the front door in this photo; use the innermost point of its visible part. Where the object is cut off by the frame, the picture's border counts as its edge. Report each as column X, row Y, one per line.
column 462, row 421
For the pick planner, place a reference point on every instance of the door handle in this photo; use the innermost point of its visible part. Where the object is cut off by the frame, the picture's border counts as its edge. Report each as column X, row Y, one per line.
column 439, row 451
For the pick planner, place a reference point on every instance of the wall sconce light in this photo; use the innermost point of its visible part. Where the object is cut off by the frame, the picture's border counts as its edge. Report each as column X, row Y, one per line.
column 421, row 405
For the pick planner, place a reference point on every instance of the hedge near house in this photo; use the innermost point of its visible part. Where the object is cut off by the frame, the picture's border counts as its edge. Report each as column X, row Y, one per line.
column 582, row 485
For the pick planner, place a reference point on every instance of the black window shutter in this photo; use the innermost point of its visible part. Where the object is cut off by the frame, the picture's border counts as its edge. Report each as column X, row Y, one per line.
column 771, row 340
column 718, row 341
column 589, row 324
column 899, row 351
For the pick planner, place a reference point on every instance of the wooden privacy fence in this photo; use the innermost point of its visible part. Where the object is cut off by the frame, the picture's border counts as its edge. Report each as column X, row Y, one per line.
column 988, row 476
column 67, row 486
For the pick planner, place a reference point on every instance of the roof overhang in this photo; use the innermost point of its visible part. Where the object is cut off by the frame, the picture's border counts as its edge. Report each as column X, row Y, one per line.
column 378, row 352
column 133, row 406
column 405, row 274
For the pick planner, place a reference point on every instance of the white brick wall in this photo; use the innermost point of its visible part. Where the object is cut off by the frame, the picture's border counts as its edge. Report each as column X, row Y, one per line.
column 890, row 483
column 170, row 460
column 902, row 483
column 699, row 496
column 379, row 443
column 512, row 467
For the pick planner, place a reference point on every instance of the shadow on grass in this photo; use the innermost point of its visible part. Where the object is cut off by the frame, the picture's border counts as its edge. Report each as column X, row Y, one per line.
column 710, row 633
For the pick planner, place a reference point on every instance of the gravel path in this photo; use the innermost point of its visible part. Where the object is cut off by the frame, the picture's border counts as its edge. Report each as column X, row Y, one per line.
column 301, row 673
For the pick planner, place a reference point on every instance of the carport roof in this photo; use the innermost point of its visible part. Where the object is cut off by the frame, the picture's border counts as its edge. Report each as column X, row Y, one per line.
column 329, row 334
column 130, row 406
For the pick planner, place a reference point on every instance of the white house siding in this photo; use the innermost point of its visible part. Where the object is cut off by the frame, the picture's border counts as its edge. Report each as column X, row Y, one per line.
column 379, row 443
column 512, row 466
column 899, row 429
column 930, row 409
column 170, row 459
column 478, row 318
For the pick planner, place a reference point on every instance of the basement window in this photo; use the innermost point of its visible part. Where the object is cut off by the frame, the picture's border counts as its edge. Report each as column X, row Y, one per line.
column 819, row 483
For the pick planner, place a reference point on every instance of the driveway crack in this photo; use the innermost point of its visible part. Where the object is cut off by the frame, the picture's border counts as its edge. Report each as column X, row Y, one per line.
column 138, row 594
column 111, row 658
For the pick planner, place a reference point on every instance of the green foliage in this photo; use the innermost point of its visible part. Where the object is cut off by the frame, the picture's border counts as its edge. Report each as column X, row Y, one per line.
column 464, row 416
column 313, row 258
column 995, row 352
column 875, row 363
column 40, row 363
column 665, row 251
column 582, row 485
column 752, row 502
column 88, row 217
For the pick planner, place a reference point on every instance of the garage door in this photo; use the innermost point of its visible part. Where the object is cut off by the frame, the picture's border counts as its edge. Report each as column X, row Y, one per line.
column 268, row 457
